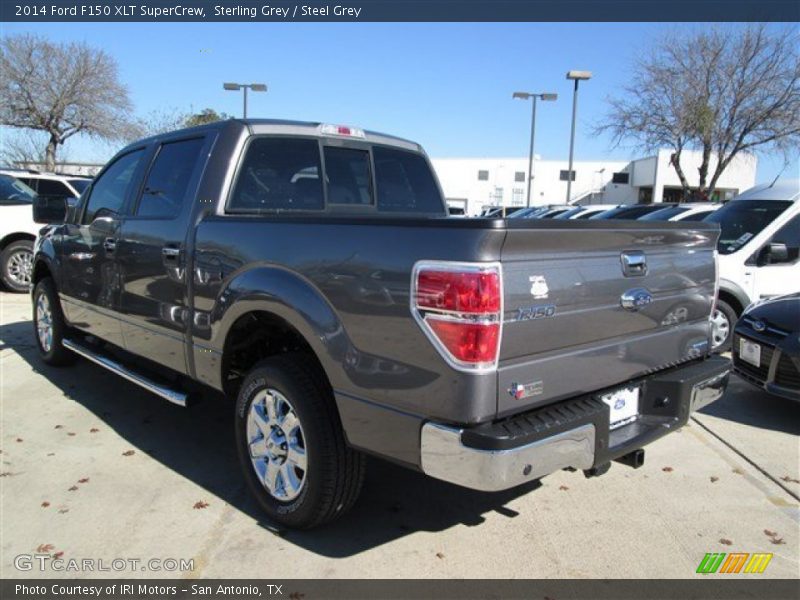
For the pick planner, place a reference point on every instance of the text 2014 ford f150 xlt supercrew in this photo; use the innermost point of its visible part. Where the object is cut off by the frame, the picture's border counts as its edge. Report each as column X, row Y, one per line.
column 309, row 272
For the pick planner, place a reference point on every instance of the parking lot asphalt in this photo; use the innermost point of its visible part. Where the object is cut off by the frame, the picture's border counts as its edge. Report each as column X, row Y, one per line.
column 94, row 467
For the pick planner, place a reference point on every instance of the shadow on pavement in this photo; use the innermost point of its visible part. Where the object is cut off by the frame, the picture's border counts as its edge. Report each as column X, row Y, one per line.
column 745, row 403
column 197, row 443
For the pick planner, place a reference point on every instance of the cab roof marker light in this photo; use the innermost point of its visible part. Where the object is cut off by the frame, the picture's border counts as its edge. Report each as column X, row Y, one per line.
column 341, row 130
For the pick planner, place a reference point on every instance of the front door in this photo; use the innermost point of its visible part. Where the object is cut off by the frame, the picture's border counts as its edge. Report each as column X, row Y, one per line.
column 91, row 285
column 774, row 276
column 151, row 254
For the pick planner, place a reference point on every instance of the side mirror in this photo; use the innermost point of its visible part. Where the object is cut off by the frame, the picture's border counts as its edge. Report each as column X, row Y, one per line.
column 49, row 210
column 777, row 253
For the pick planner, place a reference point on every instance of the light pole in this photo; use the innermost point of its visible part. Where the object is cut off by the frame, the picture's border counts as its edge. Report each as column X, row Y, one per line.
column 534, row 97
column 235, row 87
column 576, row 76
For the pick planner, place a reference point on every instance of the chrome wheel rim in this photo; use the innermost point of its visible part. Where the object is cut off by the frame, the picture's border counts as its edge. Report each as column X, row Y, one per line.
column 276, row 445
column 44, row 323
column 20, row 266
column 720, row 328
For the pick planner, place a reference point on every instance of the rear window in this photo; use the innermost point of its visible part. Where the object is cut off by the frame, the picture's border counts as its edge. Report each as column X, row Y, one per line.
column 279, row 174
column 404, row 182
column 13, row 191
column 742, row 220
column 348, row 175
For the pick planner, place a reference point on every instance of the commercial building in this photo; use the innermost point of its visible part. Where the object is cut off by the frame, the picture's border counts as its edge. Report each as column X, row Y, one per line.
column 474, row 183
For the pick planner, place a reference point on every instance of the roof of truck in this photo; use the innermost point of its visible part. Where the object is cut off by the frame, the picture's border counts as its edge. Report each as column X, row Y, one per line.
column 783, row 189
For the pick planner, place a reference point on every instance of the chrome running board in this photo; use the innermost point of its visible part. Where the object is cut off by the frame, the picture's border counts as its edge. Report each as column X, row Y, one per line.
column 166, row 393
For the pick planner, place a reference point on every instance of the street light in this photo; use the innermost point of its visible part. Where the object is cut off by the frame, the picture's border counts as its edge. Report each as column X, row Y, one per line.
column 576, row 76
column 235, row 87
column 543, row 98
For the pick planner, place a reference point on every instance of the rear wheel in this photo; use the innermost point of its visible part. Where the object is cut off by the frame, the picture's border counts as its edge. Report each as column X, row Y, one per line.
column 49, row 326
column 16, row 265
column 722, row 321
column 291, row 446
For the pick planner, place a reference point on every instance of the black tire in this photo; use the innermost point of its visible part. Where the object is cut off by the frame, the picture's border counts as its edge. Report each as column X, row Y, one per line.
column 16, row 266
column 335, row 472
column 56, row 355
column 725, row 311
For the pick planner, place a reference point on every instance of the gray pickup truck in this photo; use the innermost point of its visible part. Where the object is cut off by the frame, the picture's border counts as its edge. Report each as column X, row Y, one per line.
column 309, row 273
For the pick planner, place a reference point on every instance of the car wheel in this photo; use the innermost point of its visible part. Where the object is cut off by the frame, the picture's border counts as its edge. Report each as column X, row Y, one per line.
column 16, row 261
column 291, row 445
column 49, row 325
column 722, row 321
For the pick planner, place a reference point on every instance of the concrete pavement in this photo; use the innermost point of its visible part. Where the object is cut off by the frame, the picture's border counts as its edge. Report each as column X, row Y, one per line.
column 95, row 468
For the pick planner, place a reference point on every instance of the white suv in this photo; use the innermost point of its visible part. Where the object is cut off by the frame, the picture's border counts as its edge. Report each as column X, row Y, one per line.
column 50, row 184
column 17, row 233
column 758, row 251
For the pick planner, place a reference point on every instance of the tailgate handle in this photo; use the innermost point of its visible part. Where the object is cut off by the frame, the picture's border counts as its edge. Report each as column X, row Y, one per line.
column 634, row 263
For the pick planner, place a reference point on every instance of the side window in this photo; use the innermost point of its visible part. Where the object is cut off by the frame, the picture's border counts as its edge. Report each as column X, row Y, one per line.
column 348, row 175
column 167, row 182
column 279, row 174
column 789, row 234
column 108, row 191
column 49, row 187
column 405, row 183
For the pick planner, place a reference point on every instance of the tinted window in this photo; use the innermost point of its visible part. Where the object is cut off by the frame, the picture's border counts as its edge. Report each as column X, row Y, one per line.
column 665, row 214
column 698, row 216
column 789, row 234
column 405, row 182
column 279, row 174
column 626, row 212
column 620, row 177
column 49, row 187
column 741, row 220
column 108, row 192
column 13, row 191
column 80, row 184
column 348, row 175
column 168, row 179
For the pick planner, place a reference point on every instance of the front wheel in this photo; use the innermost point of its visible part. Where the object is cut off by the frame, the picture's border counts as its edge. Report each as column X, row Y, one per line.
column 722, row 321
column 291, row 446
column 16, row 266
column 49, row 326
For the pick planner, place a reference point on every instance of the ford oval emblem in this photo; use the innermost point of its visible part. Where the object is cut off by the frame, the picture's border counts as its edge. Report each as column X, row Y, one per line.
column 759, row 326
column 636, row 299
column 619, row 404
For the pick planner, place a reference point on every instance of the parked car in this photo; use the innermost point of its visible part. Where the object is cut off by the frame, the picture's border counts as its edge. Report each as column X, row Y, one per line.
column 17, row 233
column 682, row 212
column 766, row 346
column 497, row 211
column 553, row 212
column 758, row 251
column 310, row 273
column 50, row 184
column 630, row 211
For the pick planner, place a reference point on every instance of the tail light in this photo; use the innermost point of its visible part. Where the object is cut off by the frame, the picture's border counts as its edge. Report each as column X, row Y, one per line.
column 460, row 307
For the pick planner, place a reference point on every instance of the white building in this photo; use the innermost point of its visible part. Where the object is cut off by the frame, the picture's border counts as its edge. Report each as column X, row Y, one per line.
column 474, row 183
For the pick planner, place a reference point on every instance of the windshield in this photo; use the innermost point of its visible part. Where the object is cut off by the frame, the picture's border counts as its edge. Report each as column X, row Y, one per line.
column 13, row 191
column 665, row 214
column 80, row 184
column 741, row 220
column 570, row 213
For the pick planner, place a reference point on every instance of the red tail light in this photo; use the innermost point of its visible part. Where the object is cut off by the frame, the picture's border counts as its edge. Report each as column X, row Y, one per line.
column 459, row 306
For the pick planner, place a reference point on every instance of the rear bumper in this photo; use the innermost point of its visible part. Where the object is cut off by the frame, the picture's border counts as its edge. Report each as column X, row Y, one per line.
column 573, row 433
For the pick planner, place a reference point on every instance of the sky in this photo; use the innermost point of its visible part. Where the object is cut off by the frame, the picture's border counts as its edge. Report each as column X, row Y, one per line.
column 447, row 86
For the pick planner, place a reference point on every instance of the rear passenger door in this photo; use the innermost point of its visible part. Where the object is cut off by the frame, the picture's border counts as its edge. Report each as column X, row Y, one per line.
column 152, row 253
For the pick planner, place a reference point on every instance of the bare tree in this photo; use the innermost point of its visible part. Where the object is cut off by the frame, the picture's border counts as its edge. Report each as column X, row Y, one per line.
column 61, row 90
column 207, row 115
column 159, row 121
column 720, row 92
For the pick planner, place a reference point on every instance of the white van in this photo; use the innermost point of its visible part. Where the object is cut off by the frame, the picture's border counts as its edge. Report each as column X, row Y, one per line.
column 758, row 250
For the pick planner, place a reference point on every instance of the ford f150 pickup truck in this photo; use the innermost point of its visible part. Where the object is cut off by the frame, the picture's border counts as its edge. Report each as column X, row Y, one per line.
column 310, row 273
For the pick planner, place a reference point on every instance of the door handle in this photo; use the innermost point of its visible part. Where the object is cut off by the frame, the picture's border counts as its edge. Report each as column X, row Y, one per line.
column 110, row 244
column 170, row 252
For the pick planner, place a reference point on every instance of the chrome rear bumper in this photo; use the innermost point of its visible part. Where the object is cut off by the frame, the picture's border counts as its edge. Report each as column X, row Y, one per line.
column 445, row 457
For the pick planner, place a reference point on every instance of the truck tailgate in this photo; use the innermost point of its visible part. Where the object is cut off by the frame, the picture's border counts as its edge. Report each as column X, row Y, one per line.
column 566, row 331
